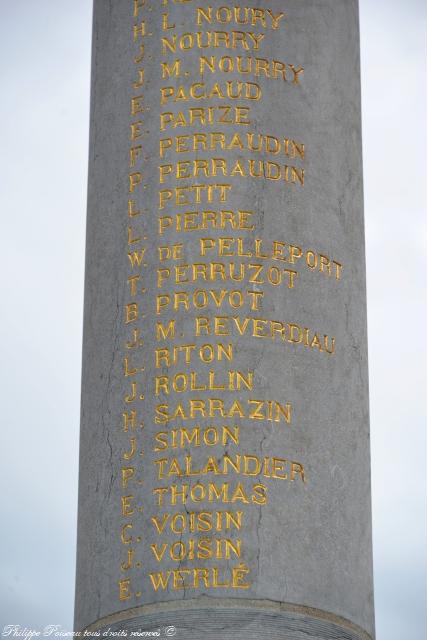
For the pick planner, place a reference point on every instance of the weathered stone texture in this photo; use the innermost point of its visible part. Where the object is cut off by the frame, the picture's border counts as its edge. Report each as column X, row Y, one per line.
column 308, row 549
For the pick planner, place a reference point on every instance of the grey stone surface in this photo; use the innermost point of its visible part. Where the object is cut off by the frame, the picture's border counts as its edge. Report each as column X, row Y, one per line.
column 309, row 546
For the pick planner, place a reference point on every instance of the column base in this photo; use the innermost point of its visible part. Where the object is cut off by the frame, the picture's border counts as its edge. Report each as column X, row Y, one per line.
column 231, row 619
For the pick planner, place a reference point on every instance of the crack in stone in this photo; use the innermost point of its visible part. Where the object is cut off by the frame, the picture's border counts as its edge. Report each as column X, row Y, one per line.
column 105, row 401
column 261, row 445
column 180, row 538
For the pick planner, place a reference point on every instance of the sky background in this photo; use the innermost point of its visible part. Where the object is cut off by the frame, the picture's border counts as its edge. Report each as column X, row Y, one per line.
column 44, row 118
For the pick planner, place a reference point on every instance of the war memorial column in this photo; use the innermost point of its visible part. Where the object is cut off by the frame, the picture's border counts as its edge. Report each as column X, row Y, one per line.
column 224, row 484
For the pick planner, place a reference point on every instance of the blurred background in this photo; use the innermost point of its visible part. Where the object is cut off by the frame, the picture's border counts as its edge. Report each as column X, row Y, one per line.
column 44, row 118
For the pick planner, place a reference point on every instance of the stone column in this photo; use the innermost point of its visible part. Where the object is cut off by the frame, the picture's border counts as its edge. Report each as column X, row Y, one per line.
column 224, row 457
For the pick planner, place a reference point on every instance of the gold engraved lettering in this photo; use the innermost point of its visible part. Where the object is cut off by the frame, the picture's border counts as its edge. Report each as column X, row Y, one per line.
column 213, row 381
column 127, row 509
column 195, row 522
column 135, row 180
column 136, row 258
column 172, row 70
column 125, row 566
column 229, row 90
column 137, row 5
column 129, row 420
column 221, row 114
column 236, row 272
column 195, row 194
column 132, row 211
column 136, row 105
column 245, row 40
column 239, row 15
column 220, row 141
column 136, row 130
column 264, row 329
column 241, row 464
column 165, row 22
column 123, row 536
column 200, row 492
column 265, row 410
column 174, row 252
column 201, row 549
column 124, row 590
column 257, row 67
column 132, row 312
column 203, row 298
column 202, row 220
column 165, row 332
column 242, row 168
column 128, row 455
column 139, row 31
column 134, row 154
column 127, row 474
column 207, row 353
column 196, row 437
